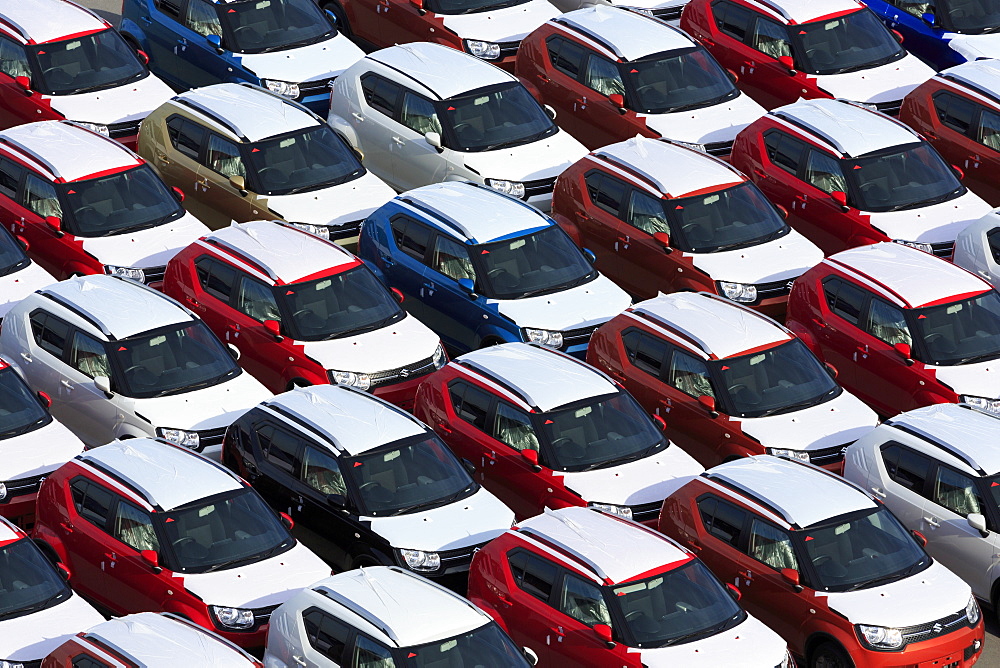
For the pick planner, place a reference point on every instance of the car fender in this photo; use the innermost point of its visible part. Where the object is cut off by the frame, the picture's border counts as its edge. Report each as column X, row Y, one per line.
column 568, row 226
column 344, row 129
column 492, row 612
column 489, row 331
column 131, row 30
column 377, row 270
column 77, row 267
column 311, row 376
column 824, row 632
column 806, row 337
column 197, row 615
column 532, row 89
column 47, row 541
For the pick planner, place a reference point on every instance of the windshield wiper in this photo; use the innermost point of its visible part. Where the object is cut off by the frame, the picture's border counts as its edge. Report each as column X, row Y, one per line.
column 892, row 577
column 260, row 556
column 631, row 457
column 806, row 403
column 978, row 358
column 443, row 501
column 41, row 605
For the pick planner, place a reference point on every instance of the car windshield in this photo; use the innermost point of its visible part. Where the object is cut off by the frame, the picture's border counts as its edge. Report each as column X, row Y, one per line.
column 28, row 582
column 676, row 81
column 597, row 433
column 959, row 332
column 485, row 647
column 12, row 256
column 863, row 550
column 538, row 263
column 777, row 380
column 970, row 17
column 303, row 160
column 338, row 305
column 170, row 360
column 128, row 201
column 846, row 43
column 728, row 219
column 676, row 606
column 82, row 64
column 493, row 118
column 225, row 531
column 408, row 476
column 903, row 177
column 20, row 410
column 468, row 6
column 259, row 26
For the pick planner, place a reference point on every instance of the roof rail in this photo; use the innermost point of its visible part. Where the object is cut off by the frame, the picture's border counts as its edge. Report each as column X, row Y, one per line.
column 304, row 422
column 941, row 445
column 70, row 306
column 589, row 35
column 205, row 111
column 236, row 250
column 749, row 494
column 353, row 606
column 26, row 152
column 488, row 373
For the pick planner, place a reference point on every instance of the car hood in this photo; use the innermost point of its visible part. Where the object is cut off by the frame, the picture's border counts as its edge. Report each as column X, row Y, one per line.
column 322, row 60
column 472, row 521
column 585, row 305
column 776, row 260
column 146, row 248
column 500, row 25
column 33, row 637
column 974, row 47
column 840, row 421
column 207, row 408
column 749, row 645
column 545, row 158
column 15, row 287
column 720, row 122
column 336, row 205
column 131, row 102
column 645, row 480
column 884, row 83
column 981, row 379
column 260, row 584
column 400, row 344
column 932, row 224
column 940, row 592
column 37, row 452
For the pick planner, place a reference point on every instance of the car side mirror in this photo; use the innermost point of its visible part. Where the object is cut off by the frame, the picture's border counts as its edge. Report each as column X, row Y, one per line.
column 397, row 295
column 733, row 76
column 959, row 174
column 789, row 64
column 663, row 239
column 103, row 383
column 603, row 632
column 24, row 83
column 791, row 576
column 734, row 591
column 529, row 656
column 22, row 242
column 215, row 42
column 532, row 457
column 434, row 139
column 898, row 35
column 978, row 522
column 143, row 56
column 589, row 254
column 782, row 211
column 929, row 19
column 64, row 571
column 419, row 6
column 468, row 287
column 905, row 351
column 549, row 111
column 239, row 183
column 338, row 501
column 919, row 537
column 840, row 197
column 708, row 403
column 233, row 351
column 151, row 558
column 45, row 399
column 333, row 17
column 178, row 193
column 274, row 327
column 468, row 466
column 55, row 222
column 618, row 100
column 660, row 422
column 286, row 520
column 830, row 369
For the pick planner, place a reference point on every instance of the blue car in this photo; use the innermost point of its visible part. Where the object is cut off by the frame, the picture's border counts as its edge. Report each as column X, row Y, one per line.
column 481, row 268
column 944, row 33
column 290, row 47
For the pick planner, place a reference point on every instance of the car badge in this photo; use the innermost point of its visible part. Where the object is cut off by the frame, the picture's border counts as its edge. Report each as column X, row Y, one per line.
column 937, row 628
column 405, row 373
column 790, row 284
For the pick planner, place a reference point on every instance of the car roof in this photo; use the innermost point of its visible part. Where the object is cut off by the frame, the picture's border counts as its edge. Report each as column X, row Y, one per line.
column 349, row 420
column 445, row 71
column 981, row 75
column 477, row 213
column 118, row 307
column 849, row 128
column 168, row 476
column 802, row 494
column 597, row 540
column 67, row 151
column 47, row 20
column 796, row 11
column 966, row 433
column 287, row 253
column 630, row 35
column 915, row 278
column 675, row 170
column 404, row 608
column 250, row 112
column 718, row 326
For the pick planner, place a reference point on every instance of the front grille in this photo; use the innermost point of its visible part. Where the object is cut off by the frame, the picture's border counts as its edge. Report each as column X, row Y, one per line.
column 23, row 486
column 890, row 108
column 415, row 370
column 539, row 187
column 935, row 629
column 719, row 148
column 210, row 437
column 645, row 512
column 827, row 456
column 262, row 616
column 774, row 289
column 576, row 337
column 154, row 274
column 509, row 49
column 455, row 561
column 307, row 88
column 668, row 13
column 351, row 228
column 943, row 249
column 119, row 130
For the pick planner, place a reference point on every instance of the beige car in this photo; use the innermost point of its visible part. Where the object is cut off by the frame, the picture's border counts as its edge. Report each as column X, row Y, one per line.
column 243, row 153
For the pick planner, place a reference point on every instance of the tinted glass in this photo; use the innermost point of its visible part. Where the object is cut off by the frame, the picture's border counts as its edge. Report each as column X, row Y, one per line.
column 326, row 634
column 134, row 527
column 84, row 64
column 722, row 520
column 469, row 6
column 216, row 277
column 471, row 404
column 10, row 177
column 12, row 257
column 962, row 332
column 186, row 136
column 92, row 501
column 904, row 177
column 499, row 117
column 261, row 26
column 956, row 492
column 50, row 332
column 303, row 161
column 645, row 351
column 28, row 582
column 676, row 81
column 784, row 151
column 124, row 202
column 605, row 191
column 566, row 56
column 732, row 19
column 988, row 133
column 906, row 467
column 539, row 263
column 534, row 575
column 484, row 647
column 88, row 355
column 846, row 43
column 844, row 299
column 20, row 409
column 954, row 111
column 971, row 17
column 381, row 94
column 13, row 59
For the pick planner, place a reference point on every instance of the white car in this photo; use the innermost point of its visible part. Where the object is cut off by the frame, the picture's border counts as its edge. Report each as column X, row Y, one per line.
column 977, row 248
column 422, row 113
column 122, row 360
column 668, row 11
column 19, row 276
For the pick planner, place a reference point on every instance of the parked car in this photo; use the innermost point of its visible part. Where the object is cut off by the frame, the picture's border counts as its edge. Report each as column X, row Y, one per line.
column 824, row 565
column 290, row 47
column 38, row 610
column 148, row 640
column 122, row 360
column 906, row 328
column 556, row 584
column 613, row 73
column 19, row 276
column 664, row 218
column 303, row 311
column 668, row 11
column 977, row 248
column 544, row 430
column 844, row 188
column 150, row 526
column 370, row 479
column 423, row 113
column 60, row 60
column 784, row 50
column 729, row 382
column 245, row 153
column 108, row 213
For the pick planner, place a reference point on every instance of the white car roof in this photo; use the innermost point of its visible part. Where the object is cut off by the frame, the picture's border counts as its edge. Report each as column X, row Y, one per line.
column 796, row 11
column 982, row 75
column 48, row 20
column 630, row 34
column 804, row 495
column 251, row 112
column 598, row 540
column 718, row 326
column 480, row 214
column 968, row 434
column 119, row 307
column 68, row 151
column 544, row 378
column 916, row 277
column 169, row 476
column 353, row 420
column 850, row 128
column 290, row 254
column 675, row 170
column 445, row 71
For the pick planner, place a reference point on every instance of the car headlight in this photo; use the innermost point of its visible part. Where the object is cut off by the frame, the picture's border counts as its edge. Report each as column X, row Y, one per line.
column 285, row 88
column 738, row 292
column 800, row 455
column 133, row 273
column 512, row 188
column 440, row 357
column 914, row 244
column 687, row 144
column 11, row 664
column 620, row 511
column 640, row 10
column 880, row 637
column 418, row 560
column 544, row 337
column 481, row 49
column 321, row 231
column 233, row 618
column 3, row 491
column 362, row 381
column 972, row 610
column 982, row 403
column 189, row 439
column 94, row 127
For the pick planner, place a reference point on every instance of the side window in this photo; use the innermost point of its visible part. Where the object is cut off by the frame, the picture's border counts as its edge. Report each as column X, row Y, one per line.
column 772, row 546
column 471, row 404
column 823, row 172
column 370, row 654
column 85, row 661
column 993, row 239
column 326, row 634
column 534, row 575
column 844, row 299
column 216, row 278
column 916, row 7
column 690, row 375
column 380, row 94
column 722, row 520
column 583, row 601
column 419, row 115
column 40, row 197
column 906, row 467
column 50, row 332
column 955, row 112
column 411, row 237
column 771, row 38
column 87, row 355
column 171, row 8
column 646, row 213
column 321, row 471
column 956, row 492
column 783, row 151
column 134, row 527
column 13, row 59
column 257, row 300
column 92, row 502
column 186, row 136
column 282, row 449
column 223, row 156
column 988, row 133
column 888, row 323
column 732, row 19
column 10, row 176
column 566, row 56
column 452, row 259
column 646, row 352
column 603, row 76
column 605, row 191
column 513, row 427
column 201, row 18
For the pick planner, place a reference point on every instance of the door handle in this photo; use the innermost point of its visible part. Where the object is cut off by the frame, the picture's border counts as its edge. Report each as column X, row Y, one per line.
column 489, row 457
column 26, row 357
column 819, row 323
column 932, row 521
column 879, row 492
column 759, row 173
column 146, row 20
column 930, row 135
column 582, row 215
column 443, row 427
column 429, row 286
column 111, row 555
column 694, row 546
column 162, row 159
column 299, row 660
column 543, row 78
column 182, row 41
column 863, row 348
column 358, row 117
column 707, row 42
column 399, row 141
column 65, row 383
column 67, row 527
column 192, row 301
column 560, row 634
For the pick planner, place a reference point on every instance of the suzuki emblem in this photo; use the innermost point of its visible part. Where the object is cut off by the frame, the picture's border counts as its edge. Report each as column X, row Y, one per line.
column 790, row 284
column 937, row 628
column 405, row 373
